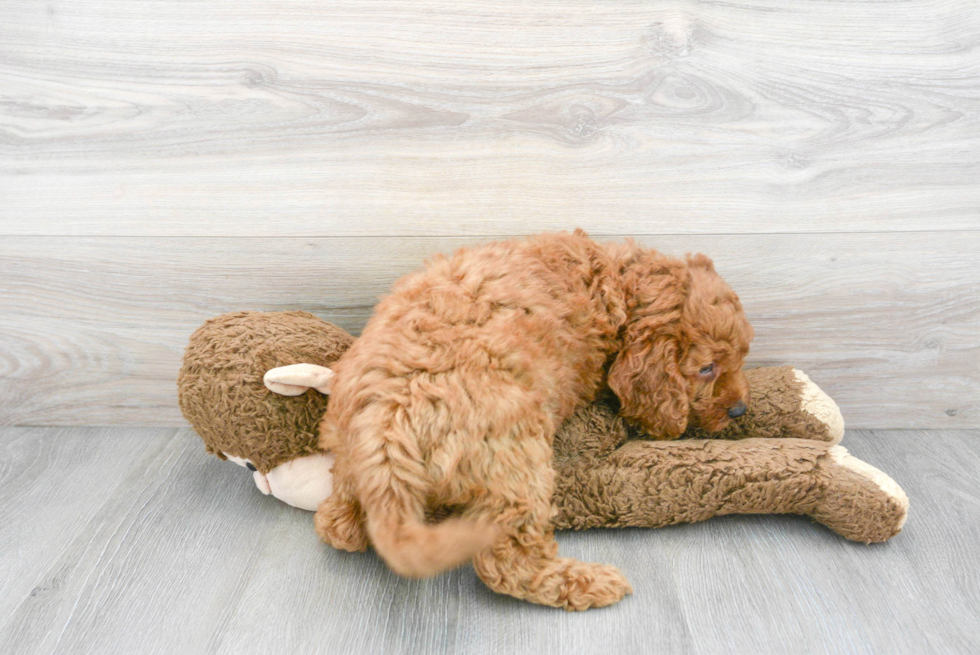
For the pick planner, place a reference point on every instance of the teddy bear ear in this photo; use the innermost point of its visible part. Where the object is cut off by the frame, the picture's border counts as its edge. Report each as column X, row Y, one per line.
column 295, row 379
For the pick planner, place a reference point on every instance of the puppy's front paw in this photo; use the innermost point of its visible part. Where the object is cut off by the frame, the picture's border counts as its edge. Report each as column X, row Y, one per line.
column 339, row 524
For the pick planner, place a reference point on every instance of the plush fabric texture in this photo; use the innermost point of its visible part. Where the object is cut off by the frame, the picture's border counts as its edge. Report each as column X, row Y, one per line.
column 222, row 394
column 774, row 411
column 605, row 479
column 606, row 474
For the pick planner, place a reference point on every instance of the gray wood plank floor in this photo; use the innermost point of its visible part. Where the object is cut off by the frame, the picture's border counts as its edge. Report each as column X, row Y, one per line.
column 124, row 540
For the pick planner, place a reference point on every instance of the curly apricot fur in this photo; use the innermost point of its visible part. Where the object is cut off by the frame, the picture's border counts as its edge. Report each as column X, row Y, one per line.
column 452, row 395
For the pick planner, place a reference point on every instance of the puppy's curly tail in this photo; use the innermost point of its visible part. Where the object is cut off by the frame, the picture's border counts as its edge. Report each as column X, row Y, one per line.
column 392, row 491
column 418, row 550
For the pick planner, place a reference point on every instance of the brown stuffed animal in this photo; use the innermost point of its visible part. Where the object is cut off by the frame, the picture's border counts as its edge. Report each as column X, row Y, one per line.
column 780, row 457
column 223, row 394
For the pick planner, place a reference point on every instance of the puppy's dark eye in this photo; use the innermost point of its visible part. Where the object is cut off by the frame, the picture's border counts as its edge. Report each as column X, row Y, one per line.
column 250, row 466
column 706, row 371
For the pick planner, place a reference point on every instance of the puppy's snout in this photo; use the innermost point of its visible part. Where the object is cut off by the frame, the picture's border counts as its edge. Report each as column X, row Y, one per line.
column 736, row 410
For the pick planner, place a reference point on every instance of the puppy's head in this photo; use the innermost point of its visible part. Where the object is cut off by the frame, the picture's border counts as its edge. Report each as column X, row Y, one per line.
column 683, row 349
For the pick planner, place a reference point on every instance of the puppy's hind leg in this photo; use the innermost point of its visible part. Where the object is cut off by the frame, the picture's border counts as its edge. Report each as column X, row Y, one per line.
column 524, row 563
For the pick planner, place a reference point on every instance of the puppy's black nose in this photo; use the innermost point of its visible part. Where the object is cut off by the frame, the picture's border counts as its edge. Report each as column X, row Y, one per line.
column 736, row 410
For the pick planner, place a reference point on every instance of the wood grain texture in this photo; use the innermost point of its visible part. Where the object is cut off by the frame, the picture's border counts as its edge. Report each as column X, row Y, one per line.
column 93, row 329
column 184, row 554
column 422, row 117
column 144, row 575
column 55, row 481
column 888, row 599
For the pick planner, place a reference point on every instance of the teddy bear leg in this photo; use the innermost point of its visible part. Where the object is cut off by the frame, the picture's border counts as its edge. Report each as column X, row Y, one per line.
column 340, row 523
column 652, row 484
column 658, row 483
column 860, row 502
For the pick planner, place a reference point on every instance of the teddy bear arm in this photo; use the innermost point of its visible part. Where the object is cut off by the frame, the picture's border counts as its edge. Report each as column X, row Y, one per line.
column 783, row 403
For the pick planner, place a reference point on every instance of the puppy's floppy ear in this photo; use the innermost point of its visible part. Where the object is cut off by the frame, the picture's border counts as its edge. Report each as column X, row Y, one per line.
column 652, row 392
column 699, row 260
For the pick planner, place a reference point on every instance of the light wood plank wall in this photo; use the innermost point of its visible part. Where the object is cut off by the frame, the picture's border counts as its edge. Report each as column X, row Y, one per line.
column 162, row 162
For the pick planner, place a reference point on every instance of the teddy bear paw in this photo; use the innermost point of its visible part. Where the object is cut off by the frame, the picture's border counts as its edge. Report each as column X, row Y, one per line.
column 815, row 402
